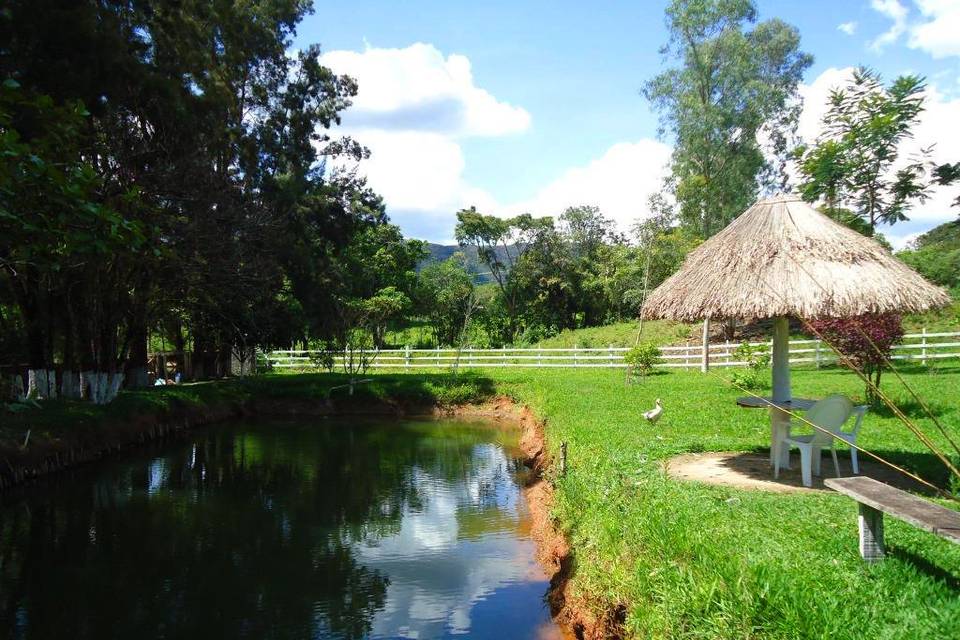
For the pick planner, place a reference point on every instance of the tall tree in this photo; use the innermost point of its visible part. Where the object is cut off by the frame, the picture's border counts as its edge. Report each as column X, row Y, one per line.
column 501, row 243
column 857, row 162
column 735, row 84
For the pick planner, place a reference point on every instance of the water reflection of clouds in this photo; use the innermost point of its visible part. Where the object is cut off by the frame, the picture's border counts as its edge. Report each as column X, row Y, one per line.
column 437, row 573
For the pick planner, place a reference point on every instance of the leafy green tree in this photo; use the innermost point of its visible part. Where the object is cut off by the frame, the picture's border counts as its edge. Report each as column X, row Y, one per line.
column 733, row 86
column 856, row 162
column 946, row 174
column 445, row 293
column 501, row 243
column 936, row 255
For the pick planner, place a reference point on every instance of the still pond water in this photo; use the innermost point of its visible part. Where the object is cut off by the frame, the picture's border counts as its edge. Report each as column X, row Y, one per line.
column 322, row 529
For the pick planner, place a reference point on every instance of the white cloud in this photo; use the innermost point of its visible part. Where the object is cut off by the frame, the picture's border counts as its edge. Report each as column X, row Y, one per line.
column 938, row 35
column 936, row 128
column 934, row 33
column 848, row 28
column 619, row 183
column 413, row 107
column 898, row 14
column 418, row 89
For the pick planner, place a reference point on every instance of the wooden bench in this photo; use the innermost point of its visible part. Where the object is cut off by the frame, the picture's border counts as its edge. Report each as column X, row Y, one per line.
column 876, row 498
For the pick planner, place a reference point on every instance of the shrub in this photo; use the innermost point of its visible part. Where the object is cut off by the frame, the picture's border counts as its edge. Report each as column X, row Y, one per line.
column 642, row 358
column 865, row 342
column 757, row 359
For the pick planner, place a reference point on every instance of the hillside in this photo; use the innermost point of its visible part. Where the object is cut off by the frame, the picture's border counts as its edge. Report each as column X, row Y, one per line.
column 441, row 252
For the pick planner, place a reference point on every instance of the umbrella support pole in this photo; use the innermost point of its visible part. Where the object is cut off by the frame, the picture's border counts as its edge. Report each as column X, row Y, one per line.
column 780, row 420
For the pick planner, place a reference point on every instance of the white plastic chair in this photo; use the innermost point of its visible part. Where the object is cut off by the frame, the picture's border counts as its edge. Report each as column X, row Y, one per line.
column 850, row 437
column 830, row 414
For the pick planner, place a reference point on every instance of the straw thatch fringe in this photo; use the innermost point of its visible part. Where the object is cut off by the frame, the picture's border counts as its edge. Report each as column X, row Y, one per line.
column 782, row 257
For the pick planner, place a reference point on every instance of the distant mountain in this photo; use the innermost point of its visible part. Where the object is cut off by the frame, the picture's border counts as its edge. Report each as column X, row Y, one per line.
column 441, row 252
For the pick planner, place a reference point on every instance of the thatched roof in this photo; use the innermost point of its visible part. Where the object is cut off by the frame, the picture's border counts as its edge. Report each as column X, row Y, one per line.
column 783, row 257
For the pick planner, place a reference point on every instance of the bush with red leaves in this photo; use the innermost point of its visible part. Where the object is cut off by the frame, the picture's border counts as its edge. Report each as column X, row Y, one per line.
column 865, row 342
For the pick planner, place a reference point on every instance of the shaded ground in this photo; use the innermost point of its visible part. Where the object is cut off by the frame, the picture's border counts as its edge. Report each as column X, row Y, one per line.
column 753, row 471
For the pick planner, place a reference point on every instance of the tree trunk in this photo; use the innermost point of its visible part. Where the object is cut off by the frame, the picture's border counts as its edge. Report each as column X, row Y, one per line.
column 137, row 376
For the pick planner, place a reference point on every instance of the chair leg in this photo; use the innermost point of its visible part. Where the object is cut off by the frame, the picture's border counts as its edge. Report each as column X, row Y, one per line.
column 853, row 461
column 836, row 464
column 805, row 455
column 777, row 457
column 816, row 454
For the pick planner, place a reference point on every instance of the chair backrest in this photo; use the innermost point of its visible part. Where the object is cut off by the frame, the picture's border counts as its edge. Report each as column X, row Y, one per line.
column 859, row 412
column 830, row 414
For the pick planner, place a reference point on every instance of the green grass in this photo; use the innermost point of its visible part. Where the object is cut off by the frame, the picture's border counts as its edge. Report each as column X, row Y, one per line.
column 937, row 321
column 689, row 560
column 623, row 334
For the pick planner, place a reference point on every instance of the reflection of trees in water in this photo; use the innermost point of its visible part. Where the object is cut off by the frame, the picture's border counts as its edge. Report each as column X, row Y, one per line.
column 244, row 534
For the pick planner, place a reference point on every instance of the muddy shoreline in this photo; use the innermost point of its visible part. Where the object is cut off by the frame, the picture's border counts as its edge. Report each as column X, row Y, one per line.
column 568, row 608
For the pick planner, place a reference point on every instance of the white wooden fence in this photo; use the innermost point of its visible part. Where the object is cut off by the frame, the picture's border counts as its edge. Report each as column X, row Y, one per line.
column 918, row 347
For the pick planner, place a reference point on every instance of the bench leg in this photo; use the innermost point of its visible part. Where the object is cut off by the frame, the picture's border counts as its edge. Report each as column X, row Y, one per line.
column 871, row 533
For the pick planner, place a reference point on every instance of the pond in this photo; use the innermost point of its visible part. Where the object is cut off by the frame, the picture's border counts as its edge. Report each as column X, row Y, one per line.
column 281, row 529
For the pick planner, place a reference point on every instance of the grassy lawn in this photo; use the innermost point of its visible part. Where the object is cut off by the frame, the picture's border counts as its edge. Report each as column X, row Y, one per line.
column 622, row 334
column 664, row 332
column 695, row 561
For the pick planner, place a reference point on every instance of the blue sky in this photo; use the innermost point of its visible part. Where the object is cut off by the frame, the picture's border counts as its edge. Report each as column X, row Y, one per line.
column 516, row 106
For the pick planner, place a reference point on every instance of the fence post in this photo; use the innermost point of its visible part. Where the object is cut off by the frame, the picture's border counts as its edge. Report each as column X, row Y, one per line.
column 539, row 356
column 705, row 361
column 575, row 347
column 438, row 354
column 923, row 342
column 817, row 356
column 610, row 353
column 406, row 356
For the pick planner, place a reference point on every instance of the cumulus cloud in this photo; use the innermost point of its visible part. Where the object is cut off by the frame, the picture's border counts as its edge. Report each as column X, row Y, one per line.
column 417, row 88
column 894, row 10
column 937, row 34
column 413, row 108
column 933, row 32
column 618, row 182
column 935, row 128
column 848, row 28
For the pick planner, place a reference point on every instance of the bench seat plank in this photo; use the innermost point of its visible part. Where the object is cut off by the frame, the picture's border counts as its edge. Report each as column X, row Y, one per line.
column 921, row 513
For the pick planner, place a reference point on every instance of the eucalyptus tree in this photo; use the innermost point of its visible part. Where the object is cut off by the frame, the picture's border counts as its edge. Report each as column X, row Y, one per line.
column 857, row 160
column 730, row 105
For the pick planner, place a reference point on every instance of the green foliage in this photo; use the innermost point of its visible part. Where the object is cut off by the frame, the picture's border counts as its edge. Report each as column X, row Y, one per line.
column 936, row 255
column 501, row 244
column 757, row 361
column 731, row 83
column 445, row 291
column 853, row 161
column 643, row 358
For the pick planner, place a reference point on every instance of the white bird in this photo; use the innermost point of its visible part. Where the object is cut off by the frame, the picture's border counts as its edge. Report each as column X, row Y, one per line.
column 654, row 414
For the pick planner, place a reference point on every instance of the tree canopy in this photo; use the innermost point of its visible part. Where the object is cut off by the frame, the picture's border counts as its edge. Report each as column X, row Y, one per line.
column 735, row 84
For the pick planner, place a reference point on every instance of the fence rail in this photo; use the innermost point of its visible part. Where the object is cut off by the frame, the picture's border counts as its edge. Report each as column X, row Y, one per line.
column 918, row 347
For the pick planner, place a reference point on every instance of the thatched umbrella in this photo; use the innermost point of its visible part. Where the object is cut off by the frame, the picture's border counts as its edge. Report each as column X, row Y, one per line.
column 782, row 258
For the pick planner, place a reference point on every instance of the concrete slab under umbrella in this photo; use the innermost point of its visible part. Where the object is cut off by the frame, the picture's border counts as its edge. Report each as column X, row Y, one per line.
column 783, row 258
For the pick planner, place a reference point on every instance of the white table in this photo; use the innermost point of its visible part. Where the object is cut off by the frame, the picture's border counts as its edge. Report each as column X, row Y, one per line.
column 779, row 421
